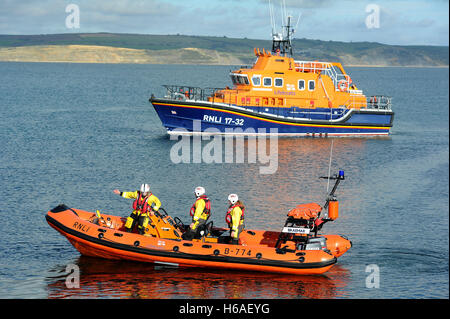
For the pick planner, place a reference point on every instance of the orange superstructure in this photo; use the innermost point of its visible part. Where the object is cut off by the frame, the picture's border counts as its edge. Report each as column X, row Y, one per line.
column 280, row 81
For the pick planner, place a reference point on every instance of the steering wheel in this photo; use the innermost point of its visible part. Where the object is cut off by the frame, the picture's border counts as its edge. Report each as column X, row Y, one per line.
column 161, row 212
column 179, row 224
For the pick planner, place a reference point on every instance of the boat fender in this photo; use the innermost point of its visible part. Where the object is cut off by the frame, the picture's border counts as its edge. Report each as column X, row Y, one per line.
column 136, row 243
column 258, row 255
column 175, row 248
column 59, row 208
column 251, row 232
column 100, row 235
column 301, row 259
column 216, row 252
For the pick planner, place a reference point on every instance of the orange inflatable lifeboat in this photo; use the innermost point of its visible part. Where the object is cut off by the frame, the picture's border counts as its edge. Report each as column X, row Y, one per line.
column 297, row 249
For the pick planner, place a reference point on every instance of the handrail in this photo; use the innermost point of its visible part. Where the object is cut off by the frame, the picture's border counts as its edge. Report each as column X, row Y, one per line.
column 327, row 68
column 379, row 102
column 183, row 92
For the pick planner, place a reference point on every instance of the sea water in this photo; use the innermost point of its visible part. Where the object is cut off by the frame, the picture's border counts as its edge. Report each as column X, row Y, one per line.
column 71, row 133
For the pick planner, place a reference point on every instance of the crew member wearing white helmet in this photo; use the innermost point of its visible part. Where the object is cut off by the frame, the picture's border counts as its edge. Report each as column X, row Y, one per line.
column 142, row 207
column 235, row 217
column 200, row 212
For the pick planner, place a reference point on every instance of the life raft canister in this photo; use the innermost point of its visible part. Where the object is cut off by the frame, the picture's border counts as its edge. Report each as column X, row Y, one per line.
column 141, row 204
column 228, row 217
column 333, row 209
column 206, row 210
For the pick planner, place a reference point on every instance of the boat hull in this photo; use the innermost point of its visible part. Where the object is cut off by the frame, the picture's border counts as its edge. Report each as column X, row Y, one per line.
column 113, row 243
column 190, row 117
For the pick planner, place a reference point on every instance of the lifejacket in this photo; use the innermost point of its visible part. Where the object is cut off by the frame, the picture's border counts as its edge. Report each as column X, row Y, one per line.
column 140, row 204
column 228, row 217
column 206, row 210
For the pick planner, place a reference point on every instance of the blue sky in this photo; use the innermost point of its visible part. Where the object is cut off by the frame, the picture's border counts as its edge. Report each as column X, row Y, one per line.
column 413, row 22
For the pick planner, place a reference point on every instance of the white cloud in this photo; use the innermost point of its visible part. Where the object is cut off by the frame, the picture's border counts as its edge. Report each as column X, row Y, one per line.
column 402, row 22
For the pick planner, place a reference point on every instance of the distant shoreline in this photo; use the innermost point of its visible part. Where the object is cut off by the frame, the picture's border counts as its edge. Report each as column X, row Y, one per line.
column 206, row 64
column 101, row 54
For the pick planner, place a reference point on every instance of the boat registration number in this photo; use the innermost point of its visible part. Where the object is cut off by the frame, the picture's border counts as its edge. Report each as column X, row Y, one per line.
column 223, row 120
column 295, row 230
column 238, row 251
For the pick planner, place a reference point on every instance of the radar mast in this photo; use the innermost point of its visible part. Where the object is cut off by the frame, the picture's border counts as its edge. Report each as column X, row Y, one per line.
column 281, row 41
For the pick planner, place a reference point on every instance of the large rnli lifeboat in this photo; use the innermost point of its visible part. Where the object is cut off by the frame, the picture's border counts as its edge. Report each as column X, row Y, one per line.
column 297, row 249
column 277, row 95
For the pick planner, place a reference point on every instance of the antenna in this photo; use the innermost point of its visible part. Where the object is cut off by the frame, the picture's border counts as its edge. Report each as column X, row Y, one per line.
column 283, row 12
column 298, row 20
column 272, row 19
column 281, row 41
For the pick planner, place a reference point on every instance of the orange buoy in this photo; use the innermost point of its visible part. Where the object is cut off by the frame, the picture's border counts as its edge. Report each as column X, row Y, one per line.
column 333, row 209
column 343, row 85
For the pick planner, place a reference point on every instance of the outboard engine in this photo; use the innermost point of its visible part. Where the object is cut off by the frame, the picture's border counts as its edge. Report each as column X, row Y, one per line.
column 316, row 243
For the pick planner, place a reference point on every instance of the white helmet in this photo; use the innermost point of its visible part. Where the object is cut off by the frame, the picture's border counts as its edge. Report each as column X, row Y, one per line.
column 199, row 191
column 145, row 188
column 233, row 198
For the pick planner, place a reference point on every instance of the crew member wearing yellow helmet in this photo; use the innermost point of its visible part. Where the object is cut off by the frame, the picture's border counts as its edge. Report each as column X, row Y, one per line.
column 200, row 212
column 142, row 207
column 235, row 217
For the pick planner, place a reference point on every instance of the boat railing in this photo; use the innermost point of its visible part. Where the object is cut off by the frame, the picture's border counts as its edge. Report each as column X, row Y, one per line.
column 183, row 92
column 355, row 104
column 379, row 102
column 325, row 68
column 311, row 66
column 220, row 95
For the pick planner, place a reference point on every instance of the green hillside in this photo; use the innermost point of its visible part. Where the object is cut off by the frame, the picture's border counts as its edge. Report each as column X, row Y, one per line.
column 354, row 53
